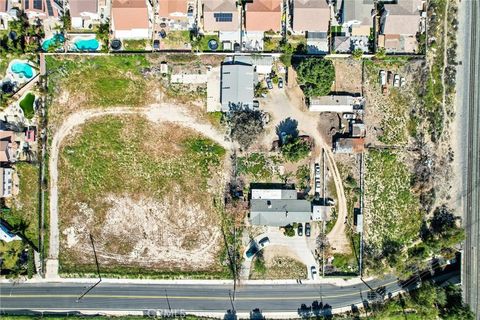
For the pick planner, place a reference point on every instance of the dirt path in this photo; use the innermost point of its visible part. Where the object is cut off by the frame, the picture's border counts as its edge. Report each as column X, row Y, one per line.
column 445, row 61
column 285, row 106
column 155, row 113
column 337, row 236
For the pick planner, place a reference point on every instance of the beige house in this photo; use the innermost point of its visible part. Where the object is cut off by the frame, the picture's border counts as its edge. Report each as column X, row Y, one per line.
column 400, row 23
column 130, row 19
column 174, row 14
column 84, row 13
column 8, row 147
column 310, row 15
column 220, row 15
column 263, row 15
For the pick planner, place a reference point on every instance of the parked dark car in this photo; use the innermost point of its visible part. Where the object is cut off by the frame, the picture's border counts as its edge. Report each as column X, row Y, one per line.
column 300, row 230
column 280, row 83
column 307, row 229
column 156, row 44
column 269, row 83
column 264, row 241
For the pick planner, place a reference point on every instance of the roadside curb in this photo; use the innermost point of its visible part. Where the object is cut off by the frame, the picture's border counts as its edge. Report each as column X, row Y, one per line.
column 332, row 281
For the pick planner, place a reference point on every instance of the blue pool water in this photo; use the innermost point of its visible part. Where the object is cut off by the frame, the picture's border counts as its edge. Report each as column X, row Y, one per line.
column 87, row 45
column 22, row 68
column 58, row 38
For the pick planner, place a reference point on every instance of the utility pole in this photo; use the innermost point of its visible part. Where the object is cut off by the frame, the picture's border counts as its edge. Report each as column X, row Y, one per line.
column 98, row 272
column 231, row 301
column 168, row 301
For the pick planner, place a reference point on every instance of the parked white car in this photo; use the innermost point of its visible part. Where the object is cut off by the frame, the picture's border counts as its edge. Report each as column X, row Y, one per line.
column 396, row 81
column 383, row 77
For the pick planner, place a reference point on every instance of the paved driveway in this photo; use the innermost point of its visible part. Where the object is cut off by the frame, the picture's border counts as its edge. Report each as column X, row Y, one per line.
column 298, row 245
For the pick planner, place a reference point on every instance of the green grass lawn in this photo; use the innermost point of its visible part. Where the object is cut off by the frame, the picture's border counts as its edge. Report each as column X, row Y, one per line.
column 204, row 43
column 27, row 105
column 134, row 45
column 130, row 158
column 176, row 40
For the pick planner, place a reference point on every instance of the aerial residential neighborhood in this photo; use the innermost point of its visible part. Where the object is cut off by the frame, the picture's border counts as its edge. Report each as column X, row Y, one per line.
column 239, row 159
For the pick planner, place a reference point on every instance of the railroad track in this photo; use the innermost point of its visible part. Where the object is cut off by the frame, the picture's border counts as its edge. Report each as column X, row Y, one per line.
column 472, row 214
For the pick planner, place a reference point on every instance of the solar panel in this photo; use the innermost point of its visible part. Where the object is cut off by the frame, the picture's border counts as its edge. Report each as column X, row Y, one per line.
column 223, row 17
column 37, row 4
column 49, row 8
column 27, row 4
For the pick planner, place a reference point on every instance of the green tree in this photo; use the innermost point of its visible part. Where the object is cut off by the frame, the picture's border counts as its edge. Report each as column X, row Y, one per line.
column 67, row 21
column 295, row 149
column 286, row 57
column 316, row 76
column 381, row 53
column 245, row 126
column 103, row 34
column 357, row 54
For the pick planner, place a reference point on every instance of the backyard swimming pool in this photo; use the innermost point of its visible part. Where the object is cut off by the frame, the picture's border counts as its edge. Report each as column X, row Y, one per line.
column 57, row 39
column 87, row 44
column 22, row 68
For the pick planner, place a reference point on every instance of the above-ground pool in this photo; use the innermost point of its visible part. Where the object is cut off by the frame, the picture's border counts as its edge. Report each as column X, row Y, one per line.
column 57, row 39
column 87, row 44
column 22, row 68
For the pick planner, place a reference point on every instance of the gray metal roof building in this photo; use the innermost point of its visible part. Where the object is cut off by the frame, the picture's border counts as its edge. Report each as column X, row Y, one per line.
column 278, row 213
column 237, row 85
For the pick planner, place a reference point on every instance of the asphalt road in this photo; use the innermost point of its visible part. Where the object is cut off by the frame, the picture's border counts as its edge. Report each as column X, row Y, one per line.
column 471, row 108
column 191, row 298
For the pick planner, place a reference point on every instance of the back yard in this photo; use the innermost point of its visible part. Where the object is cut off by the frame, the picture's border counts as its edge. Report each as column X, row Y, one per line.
column 22, row 215
column 146, row 192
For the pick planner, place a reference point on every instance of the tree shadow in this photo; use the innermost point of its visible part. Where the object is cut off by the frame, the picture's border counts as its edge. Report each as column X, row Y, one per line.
column 317, row 309
column 256, row 314
column 287, row 127
column 230, row 315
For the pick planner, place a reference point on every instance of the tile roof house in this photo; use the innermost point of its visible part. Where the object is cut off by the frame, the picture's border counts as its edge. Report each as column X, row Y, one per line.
column 130, row 19
column 83, row 13
column 399, row 25
column 237, row 80
column 310, row 15
column 263, row 15
column 349, row 145
column 220, row 15
column 8, row 147
column 175, row 13
column 41, row 9
column 278, row 207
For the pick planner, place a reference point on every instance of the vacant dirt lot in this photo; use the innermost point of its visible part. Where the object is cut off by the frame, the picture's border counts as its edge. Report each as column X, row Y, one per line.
column 145, row 192
column 348, row 76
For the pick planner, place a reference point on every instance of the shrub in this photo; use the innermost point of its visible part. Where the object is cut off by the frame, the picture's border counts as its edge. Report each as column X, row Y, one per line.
column 295, row 150
column 316, row 76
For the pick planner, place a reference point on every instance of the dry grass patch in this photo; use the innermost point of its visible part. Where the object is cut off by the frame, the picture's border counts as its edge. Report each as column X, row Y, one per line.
column 145, row 192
